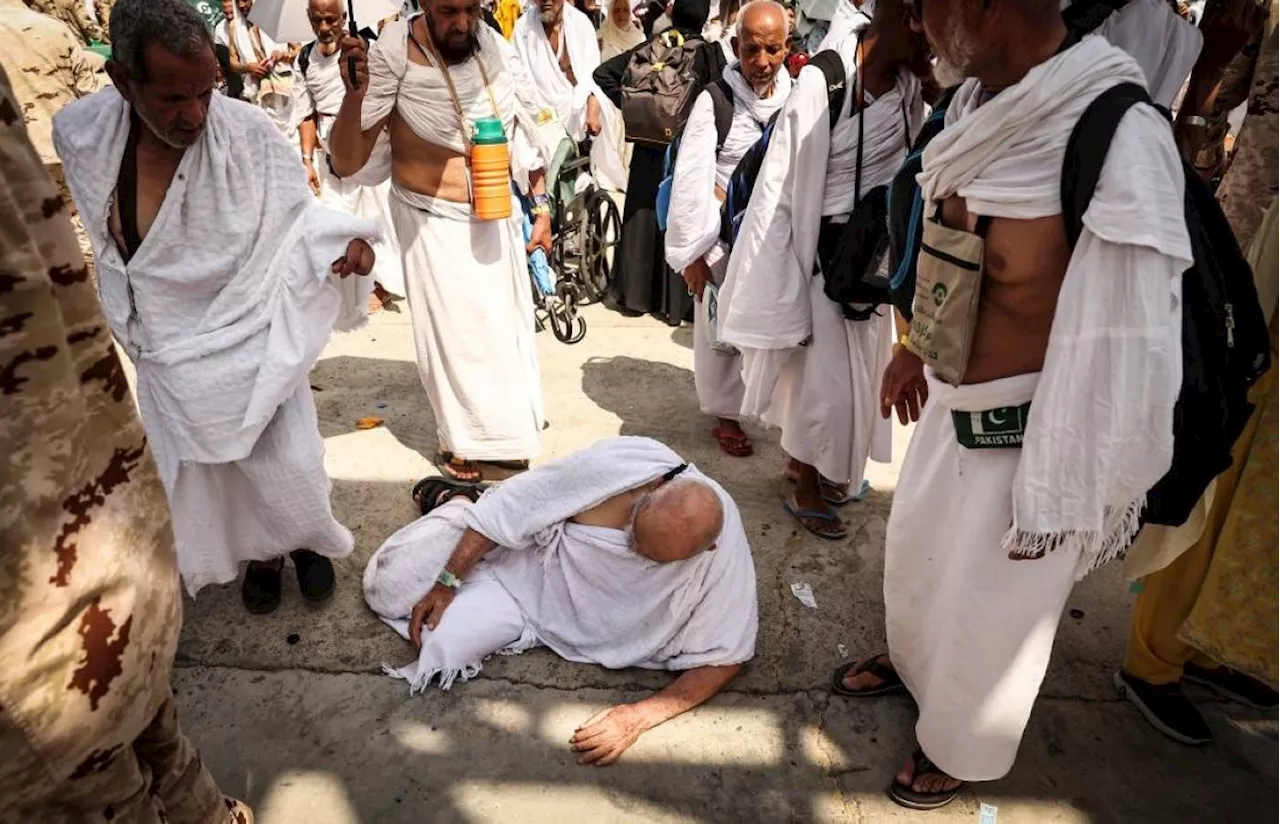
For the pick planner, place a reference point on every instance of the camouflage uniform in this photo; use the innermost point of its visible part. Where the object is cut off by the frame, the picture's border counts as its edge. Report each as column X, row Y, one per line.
column 1250, row 182
column 72, row 13
column 48, row 69
column 89, row 602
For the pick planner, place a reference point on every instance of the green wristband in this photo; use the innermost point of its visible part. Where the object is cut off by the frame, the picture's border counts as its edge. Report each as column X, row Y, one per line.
column 449, row 580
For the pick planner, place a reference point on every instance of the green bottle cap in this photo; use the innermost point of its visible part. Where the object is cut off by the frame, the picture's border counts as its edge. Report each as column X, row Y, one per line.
column 488, row 131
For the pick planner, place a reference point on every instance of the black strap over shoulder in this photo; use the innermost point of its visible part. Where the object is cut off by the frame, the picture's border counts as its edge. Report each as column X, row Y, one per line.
column 722, row 105
column 832, row 67
column 304, row 58
column 1087, row 150
column 127, row 193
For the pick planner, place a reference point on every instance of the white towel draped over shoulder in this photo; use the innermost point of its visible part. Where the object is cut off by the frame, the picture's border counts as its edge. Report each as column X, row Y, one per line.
column 542, row 62
column 693, row 225
column 1100, row 432
column 230, row 298
column 588, row 595
column 808, row 173
column 420, row 96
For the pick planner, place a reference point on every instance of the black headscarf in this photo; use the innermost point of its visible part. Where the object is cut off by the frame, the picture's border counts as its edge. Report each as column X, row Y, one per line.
column 690, row 15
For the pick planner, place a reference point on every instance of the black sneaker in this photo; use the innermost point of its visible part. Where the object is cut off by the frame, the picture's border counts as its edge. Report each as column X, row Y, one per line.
column 1166, row 707
column 261, row 588
column 315, row 575
column 1232, row 685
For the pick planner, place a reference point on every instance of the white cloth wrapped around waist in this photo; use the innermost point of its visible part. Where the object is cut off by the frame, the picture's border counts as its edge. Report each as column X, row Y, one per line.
column 1100, row 433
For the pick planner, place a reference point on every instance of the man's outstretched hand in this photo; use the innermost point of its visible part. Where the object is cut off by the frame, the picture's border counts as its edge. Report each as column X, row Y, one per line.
column 607, row 735
column 428, row 612
column 358, row 259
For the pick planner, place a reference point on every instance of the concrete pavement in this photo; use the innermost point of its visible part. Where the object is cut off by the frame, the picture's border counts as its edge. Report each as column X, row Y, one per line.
column 291, row 710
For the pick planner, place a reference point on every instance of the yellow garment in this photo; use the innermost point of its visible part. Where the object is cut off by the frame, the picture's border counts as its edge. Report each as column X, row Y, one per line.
column 1156, row 653
column 507, row 13
column 1234, row 619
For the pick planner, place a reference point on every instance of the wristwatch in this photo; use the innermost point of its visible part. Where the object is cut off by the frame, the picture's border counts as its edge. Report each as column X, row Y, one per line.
column 448, row 580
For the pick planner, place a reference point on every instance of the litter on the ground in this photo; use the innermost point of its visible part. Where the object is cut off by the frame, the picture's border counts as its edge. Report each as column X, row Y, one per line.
column 804, row 594
column 844, row 651
column 987, row 813
column 382, row 404
column 369, row 423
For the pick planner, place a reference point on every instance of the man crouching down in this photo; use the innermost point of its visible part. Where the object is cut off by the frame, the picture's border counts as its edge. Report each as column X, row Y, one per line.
column 620, row 555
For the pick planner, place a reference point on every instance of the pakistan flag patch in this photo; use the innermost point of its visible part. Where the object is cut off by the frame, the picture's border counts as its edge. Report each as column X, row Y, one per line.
column 1001, row 428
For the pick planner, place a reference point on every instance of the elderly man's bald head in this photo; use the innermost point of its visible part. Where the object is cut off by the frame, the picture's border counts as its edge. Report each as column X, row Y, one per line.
column 762, row 43
column 762, row 15
column 679, row 520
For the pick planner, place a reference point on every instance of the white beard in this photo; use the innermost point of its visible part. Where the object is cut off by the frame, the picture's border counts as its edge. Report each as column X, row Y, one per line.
column 946, row 74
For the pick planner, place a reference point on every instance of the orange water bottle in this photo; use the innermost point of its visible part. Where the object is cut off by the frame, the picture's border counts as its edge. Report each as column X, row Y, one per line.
column 490, row 171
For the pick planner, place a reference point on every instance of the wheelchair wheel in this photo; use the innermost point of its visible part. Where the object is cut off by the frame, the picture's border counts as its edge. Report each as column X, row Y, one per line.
column 602, row 232
column 562, row 312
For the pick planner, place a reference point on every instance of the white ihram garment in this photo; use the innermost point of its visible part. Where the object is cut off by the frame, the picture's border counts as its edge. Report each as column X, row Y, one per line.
column 970, row 612
column 1163, row 44
column 581, row 590
column 693, row 223
column 806, row 368
column 319, row 92
column 224, row 309
column 542, row 62
column 467, row 279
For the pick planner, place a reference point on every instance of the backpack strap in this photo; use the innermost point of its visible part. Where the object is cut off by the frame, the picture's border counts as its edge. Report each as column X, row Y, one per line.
column 304, row 58
column 1086, row 16
column 832, row 66
column 722, row 104
column 1087, row 151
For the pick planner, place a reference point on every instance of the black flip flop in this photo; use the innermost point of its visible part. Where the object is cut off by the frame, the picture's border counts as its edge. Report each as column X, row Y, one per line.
column 892, row 683
column 905, row 796
column 429, row 491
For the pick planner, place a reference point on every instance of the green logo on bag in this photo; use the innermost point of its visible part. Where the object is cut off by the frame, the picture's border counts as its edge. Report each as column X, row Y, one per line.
column 939, row 294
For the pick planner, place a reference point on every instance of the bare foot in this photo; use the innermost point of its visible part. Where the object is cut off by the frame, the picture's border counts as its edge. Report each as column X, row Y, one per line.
column 811, row 509
column 866, row 680
column 732, row 439
column 932, row 781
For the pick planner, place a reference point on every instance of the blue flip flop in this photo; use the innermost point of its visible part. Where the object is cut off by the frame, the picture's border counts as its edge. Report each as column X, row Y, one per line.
column 818, row 514
column 831, row 493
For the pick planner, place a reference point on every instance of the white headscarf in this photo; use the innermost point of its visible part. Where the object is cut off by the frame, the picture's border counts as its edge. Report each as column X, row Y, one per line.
column 614, row 40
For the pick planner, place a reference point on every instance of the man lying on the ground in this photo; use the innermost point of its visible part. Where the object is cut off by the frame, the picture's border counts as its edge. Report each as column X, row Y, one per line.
column 619, row 555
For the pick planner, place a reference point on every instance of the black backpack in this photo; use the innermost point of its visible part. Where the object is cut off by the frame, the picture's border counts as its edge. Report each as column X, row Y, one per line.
column 743, row 178
column 1226, row 346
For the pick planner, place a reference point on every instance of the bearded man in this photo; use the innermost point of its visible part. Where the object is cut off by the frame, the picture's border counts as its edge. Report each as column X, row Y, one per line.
column 559, row 50
column 468, row 280
column 756, row 89
column 217, row 270
column 1075, row 356
column 317, row 95
column 808, row 368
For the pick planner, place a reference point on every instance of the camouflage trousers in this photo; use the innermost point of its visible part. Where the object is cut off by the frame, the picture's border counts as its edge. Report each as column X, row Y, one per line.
column 158, row 778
